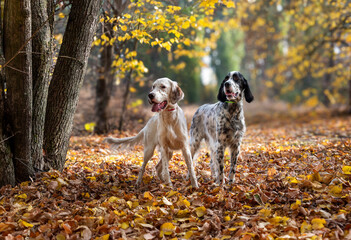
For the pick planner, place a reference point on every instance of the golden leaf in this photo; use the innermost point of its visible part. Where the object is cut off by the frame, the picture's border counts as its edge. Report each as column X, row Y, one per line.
column 60, row 237
column 89, row 126
column 167, row 229
column 22, row 196
column 148, row 195
column 124, row 28
column 318, row 223
column 295, row 205
column 346, row 169
column 200, row 211
column 25, row 224
column 171, row 193
column 265, row 212
column 188, row 234
column 185, row 25
column 335, row 190
column 125, row 225
column 305, row 227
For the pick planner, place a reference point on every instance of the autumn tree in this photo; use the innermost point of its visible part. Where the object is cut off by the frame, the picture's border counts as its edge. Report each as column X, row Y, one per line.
column 175, row 31
column 37, row 108
column 297, row 50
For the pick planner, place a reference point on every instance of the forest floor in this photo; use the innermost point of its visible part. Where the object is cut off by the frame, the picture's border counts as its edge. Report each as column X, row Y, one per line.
column 293, row 181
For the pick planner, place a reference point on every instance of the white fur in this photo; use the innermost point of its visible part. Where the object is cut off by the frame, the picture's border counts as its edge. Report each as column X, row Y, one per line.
column 167, row 129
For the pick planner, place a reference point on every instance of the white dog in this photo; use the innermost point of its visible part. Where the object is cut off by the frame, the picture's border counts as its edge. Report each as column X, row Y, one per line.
column 167, row 129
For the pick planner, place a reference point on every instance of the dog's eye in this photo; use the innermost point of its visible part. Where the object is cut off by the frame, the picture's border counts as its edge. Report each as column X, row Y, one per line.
column 163, row 86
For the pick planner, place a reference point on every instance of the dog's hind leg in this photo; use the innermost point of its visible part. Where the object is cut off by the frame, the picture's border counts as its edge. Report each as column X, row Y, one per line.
column 148, row 152
column 159, row 166
column 163, row 171
column 189, row 163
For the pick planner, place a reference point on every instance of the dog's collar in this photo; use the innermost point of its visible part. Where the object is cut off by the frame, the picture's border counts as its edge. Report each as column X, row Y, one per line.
column 170, row 109
column 230, row 102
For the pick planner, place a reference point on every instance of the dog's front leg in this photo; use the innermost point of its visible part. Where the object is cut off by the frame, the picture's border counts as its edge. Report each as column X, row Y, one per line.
column 163, row 173
column 219, row 159
column 233, row 159
column 190, row 165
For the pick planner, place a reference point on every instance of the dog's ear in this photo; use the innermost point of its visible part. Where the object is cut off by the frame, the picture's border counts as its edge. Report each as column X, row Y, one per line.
column 176, row 93
column 221, row 95
column 247, row 92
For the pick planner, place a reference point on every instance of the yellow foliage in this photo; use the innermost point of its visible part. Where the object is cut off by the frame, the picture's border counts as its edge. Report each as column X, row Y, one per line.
column 265, row 212
column 61, row 15
column 167, row 229
column 25, row 224
column 305, row 227
column 278, row 220
column 318, row 223
column 124, row 225
column 188, row 234
column 346, row 169
column 335, row 190
column 200, row 211
column 90, row 126
column 312, row 101
column 295, row 205
column 22, row 196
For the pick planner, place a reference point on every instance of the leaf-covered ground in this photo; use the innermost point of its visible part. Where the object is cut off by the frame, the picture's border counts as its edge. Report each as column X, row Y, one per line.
column 292, row 182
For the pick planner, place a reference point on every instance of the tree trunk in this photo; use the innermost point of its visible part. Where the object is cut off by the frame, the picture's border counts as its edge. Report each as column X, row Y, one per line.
column 349, row 103
column 68, row 78
column 103, row 90
column 18, row 73
column 125, row 101
column 42, row 61
column 7, row 171
column 327, row 81
column 105, row 82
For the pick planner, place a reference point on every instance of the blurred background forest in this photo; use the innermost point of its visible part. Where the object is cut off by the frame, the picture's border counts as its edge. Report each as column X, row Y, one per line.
column 294, row 53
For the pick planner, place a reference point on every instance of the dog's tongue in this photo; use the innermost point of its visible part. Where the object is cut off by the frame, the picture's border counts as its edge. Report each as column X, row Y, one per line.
column 156, row 107
column 232, row 94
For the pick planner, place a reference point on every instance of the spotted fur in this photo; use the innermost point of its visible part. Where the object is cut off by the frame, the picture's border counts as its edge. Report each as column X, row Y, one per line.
column 222, row 125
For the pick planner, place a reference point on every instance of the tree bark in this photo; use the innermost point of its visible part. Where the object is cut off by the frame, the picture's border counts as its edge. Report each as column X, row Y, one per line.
column 7, row 170
column 42, row 61
column 18, row 73
column 68, row 78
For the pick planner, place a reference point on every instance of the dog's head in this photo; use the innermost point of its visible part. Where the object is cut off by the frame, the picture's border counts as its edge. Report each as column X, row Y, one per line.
column 233, row 87
column 164, row 92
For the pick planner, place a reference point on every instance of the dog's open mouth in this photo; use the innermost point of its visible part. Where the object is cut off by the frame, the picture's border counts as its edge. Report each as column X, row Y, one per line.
column 156, row 107
column 231, row 95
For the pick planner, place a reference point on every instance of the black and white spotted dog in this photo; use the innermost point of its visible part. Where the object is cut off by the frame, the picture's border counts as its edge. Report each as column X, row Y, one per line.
column 222, row 124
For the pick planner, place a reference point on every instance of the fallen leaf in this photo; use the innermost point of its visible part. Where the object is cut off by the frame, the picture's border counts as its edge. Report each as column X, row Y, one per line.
column 167, row 229
column 200, row 211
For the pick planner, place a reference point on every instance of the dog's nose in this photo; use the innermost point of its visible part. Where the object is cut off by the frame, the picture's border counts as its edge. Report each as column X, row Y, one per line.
column 151, row 95
column 227, row 84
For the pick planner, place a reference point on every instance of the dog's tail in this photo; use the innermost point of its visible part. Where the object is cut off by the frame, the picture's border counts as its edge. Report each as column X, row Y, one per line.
column 118, row 143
